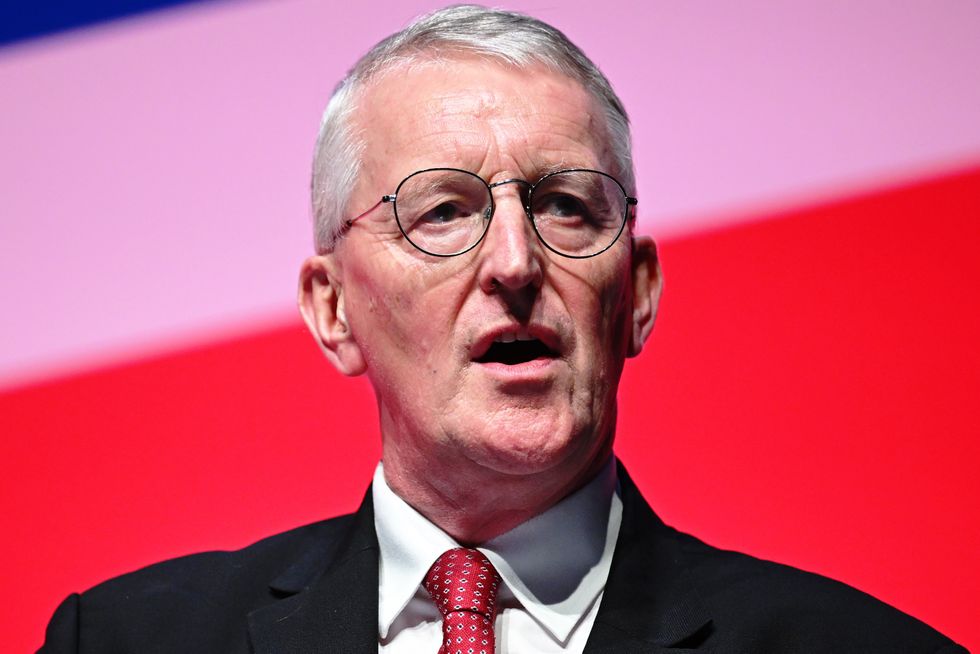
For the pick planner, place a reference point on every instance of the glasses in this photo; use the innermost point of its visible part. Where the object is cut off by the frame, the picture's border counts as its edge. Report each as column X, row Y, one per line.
column 445, row 212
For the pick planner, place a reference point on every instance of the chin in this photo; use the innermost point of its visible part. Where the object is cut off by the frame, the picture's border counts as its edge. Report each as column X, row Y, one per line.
column 521, row 444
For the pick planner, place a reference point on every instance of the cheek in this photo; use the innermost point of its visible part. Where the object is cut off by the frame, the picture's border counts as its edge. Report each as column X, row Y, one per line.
column 606, row 325
column 402, row 318
column 612, row 286
column 618, row 311
column 376, row 306
column 618, row 300
column 390, row 345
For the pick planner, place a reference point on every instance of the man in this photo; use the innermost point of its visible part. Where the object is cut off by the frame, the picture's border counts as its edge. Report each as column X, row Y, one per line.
column 474, row 202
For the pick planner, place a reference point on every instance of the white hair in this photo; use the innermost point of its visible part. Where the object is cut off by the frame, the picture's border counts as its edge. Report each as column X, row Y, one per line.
column 508, row 37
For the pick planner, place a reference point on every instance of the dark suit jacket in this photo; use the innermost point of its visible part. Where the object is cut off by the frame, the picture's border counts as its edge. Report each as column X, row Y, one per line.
column 314, row 589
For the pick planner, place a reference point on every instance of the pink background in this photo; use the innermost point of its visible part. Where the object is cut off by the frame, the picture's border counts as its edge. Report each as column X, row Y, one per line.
column 154, row 171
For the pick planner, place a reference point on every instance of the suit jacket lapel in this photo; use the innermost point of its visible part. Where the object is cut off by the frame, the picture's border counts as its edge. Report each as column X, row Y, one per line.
column 650, row 602
column 330, row 597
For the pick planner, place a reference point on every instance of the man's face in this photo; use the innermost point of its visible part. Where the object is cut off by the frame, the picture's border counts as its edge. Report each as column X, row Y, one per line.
column 432, row 333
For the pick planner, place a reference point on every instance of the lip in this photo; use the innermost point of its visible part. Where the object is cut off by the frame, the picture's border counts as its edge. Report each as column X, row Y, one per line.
column 522, row 377
column 537, row 331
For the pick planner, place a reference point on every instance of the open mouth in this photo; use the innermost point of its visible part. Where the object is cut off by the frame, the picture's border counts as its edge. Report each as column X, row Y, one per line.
column 516, row 352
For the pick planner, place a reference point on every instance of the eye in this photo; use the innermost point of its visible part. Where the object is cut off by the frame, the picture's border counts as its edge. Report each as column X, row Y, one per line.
column 441, row 214
column 565, row 206
column 561, row 207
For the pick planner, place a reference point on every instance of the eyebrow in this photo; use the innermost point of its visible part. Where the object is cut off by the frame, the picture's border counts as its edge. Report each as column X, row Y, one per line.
column 566, row 164
column 552, row 168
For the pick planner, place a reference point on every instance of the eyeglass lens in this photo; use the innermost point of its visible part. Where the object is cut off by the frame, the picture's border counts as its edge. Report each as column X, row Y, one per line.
column 576, row 212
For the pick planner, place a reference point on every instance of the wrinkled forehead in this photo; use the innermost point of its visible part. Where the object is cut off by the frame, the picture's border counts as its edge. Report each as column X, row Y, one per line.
column 469, row 108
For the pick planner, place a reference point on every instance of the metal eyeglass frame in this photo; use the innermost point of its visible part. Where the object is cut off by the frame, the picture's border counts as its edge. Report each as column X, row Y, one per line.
column 392, row 197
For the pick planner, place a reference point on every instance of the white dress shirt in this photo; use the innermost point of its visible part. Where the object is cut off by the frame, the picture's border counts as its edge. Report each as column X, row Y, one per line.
column 553, row 568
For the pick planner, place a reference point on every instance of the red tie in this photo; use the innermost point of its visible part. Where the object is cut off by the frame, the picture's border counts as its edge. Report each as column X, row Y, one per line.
column 463, row 584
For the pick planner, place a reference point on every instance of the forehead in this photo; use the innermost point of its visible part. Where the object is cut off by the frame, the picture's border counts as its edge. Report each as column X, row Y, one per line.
column 483, row 116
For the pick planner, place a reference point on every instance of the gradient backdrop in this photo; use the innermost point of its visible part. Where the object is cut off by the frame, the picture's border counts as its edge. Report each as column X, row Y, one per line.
column 810, row 395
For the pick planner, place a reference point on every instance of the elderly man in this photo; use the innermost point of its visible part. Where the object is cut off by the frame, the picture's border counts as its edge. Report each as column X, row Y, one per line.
column 474, row 201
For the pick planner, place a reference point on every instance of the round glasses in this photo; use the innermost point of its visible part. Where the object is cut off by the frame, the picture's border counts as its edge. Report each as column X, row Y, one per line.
column 446, row 212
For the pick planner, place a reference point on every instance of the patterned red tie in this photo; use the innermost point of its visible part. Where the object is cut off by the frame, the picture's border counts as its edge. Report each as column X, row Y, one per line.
column 463, row 584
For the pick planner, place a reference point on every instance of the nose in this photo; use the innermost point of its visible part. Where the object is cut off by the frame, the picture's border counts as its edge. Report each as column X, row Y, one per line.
column 510, row 252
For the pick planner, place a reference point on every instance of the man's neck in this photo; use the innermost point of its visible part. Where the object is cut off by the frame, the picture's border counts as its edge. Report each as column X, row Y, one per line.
column 474, row 504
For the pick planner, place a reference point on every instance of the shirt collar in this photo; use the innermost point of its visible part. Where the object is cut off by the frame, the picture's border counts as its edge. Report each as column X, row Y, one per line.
column 555, row 564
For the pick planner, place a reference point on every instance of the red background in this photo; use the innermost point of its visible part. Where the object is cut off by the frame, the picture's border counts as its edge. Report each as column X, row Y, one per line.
column 810, row 395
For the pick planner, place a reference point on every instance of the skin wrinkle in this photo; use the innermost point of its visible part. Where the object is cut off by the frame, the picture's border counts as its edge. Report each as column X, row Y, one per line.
column 510, row 448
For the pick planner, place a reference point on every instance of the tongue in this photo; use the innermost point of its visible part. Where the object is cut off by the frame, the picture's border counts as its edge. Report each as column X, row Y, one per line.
column 516, row 352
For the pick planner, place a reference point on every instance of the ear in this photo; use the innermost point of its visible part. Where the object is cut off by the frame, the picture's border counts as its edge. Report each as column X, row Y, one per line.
column 321, row 302
column 647, row 285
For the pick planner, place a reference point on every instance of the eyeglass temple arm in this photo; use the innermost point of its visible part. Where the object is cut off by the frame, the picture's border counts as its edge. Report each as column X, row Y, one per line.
column 631, row 215
column 384, row 198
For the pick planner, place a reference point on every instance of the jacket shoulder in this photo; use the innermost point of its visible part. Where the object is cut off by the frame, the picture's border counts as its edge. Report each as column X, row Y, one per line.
column 780, row 608
column 209, row 594
column 218, row 573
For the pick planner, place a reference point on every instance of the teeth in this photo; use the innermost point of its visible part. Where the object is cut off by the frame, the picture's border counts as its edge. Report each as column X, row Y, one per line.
column 510, row 337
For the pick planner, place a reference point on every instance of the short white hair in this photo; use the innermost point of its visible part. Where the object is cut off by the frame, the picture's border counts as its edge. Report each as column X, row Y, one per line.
column 508, row 37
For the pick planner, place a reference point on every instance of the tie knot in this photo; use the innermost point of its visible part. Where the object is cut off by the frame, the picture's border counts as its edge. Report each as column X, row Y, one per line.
column 463, row 579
